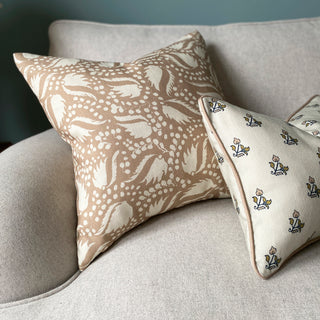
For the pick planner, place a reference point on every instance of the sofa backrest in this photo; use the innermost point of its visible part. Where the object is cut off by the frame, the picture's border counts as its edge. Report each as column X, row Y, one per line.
column 269, row 67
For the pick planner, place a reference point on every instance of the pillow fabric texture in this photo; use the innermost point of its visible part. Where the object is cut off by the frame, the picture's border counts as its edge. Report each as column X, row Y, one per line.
column 272, row 170
column 138, row 142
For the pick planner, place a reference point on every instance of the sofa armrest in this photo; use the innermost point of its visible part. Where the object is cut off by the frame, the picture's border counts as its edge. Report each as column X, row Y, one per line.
column 37, row 217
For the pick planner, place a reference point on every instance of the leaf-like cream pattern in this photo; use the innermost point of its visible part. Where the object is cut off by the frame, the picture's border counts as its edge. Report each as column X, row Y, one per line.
column 30, row 56
column 82, row 127
column 156, row 207
column 154, row 74
column 83, row 248
column 65, row 62
column 138, row 129
column 35, row 84
column 60, row 106
column 176, row 115
column 160, row 79
column 100, row 175
column 125, row 87
column 157, row 170
column 83, row 197
column 178, row 59
column 76, row 84
column 201, row 189
column 194, row 158
column 138, row 143
column 120, row 215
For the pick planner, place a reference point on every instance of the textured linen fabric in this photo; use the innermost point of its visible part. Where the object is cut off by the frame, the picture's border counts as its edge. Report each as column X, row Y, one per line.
column 274, row 64
column 272, row 171
column 161, row 270
column 138, row 141
column 37, row 217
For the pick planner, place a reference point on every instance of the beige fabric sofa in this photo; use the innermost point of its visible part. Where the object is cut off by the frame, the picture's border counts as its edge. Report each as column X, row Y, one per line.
column 190, row 263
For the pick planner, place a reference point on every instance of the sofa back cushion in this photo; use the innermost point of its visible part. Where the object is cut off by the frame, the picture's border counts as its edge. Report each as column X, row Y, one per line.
column 258, row 64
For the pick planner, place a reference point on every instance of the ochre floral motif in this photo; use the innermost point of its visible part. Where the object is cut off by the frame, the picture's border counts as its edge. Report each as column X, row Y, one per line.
column 239, row 149
column 272, row 259
column 308, row 123
column 295, row 222
column 278, row 167
column 252, row 122
column 288, row 139
column 313, row 189
column 216, row 106
column 138, row 141
column 261, row 201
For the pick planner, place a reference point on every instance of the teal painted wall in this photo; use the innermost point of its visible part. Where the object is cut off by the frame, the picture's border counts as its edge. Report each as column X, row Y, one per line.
column 24, row 24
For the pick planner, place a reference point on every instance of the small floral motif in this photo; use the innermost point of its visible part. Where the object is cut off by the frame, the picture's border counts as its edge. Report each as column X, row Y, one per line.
column 251, row 121
column 272, row 259
column 297, row 117
column 316, row 133
column 318, row 153
column 219, row 158
column 216, row 106
column 308, row 123
column 239, row 149
column 313, row 189
column 295, row 222
column 261, row 201
column 278, row 167
column 288, row 139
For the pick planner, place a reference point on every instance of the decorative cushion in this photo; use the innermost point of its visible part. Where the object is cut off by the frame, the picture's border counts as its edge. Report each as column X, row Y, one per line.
column 272, row 171
column 138, row 142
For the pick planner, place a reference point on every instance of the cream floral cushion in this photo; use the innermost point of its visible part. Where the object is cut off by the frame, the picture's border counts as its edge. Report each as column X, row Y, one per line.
column 272, row 170
column 138, row 142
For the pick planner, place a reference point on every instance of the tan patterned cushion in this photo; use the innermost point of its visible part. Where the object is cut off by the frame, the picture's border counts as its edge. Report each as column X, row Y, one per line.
column 139, row 146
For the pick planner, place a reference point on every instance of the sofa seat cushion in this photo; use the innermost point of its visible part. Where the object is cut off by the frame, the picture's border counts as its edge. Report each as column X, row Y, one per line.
column 190, row 263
